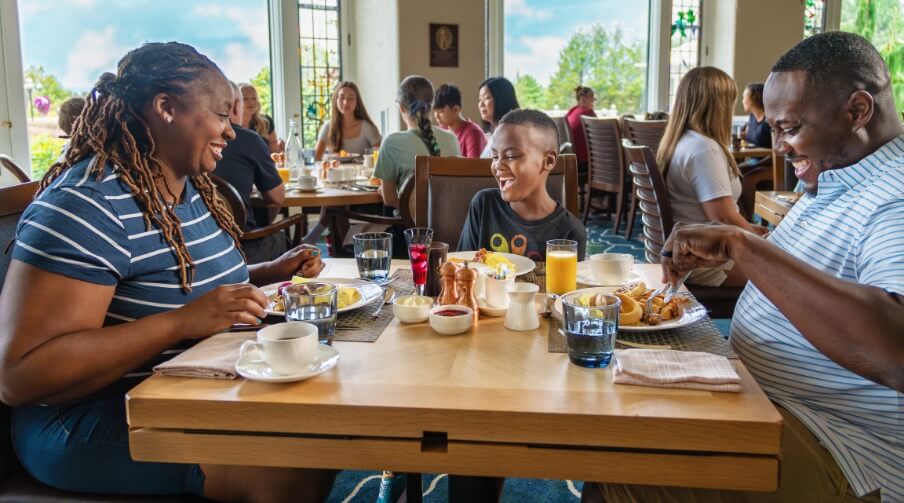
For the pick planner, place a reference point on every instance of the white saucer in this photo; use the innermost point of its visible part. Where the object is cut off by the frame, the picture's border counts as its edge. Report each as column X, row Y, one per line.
column 327, row 357
column 490, row 311
column 585, row 277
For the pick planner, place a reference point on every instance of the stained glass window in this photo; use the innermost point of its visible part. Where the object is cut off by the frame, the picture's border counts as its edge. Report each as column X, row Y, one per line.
column 685, row 47
column 321, row 63
column 814, row 17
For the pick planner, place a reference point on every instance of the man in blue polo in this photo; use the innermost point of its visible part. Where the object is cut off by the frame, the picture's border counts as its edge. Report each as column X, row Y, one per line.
column 821, row 322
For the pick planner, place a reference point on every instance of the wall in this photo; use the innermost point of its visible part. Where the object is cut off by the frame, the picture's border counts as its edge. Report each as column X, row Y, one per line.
column 376, row 62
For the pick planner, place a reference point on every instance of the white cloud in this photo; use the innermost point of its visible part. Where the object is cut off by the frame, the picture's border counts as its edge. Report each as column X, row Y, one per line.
column 520, row 8
column 539, row 60
column 93, row 53
column 250, row 22
column 85, row 4
column 239, row 64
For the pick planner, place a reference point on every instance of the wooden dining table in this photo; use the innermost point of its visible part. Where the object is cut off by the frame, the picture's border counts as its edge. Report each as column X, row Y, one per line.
column 490, row 402
column 772, row 206
column 748, row 152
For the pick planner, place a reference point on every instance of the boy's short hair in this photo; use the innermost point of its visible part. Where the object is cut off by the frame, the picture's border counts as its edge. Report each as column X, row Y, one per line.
column 534, row 119
column 69, row 111
column 448, row 95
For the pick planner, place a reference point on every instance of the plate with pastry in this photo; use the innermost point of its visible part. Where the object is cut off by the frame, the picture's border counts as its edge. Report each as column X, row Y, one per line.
column 352, row 294
column 493, row 260
column 680, row 311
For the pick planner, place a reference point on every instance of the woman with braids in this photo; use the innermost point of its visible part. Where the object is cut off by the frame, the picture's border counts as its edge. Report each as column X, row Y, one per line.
column 396, row 161
column 125, row 257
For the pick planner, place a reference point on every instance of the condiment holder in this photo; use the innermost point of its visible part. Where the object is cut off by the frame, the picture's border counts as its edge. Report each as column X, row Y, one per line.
column 412, row 308
column 522, row 313
column 451, row 319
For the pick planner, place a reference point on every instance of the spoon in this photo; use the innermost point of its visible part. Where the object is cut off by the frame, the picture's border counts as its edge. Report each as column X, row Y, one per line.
column 388, row 296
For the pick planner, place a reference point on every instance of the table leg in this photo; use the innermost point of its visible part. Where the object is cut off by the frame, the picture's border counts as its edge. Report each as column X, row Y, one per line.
column 413, row 488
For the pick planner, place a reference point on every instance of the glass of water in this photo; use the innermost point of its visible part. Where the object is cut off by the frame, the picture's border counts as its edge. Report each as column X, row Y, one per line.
column 315, row 303
column 591, row 324
column 373, row 253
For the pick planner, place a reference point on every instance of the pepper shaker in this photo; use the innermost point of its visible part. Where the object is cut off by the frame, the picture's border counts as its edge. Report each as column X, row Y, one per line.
column 466, row 282
column 449, row 292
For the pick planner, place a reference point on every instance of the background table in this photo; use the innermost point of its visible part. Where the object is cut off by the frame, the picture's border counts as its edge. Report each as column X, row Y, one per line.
column 488, row 402
column 747, row 152
column 771, row 207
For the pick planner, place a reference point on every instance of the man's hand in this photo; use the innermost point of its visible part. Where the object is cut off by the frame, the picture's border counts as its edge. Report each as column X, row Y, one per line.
column 697, row 245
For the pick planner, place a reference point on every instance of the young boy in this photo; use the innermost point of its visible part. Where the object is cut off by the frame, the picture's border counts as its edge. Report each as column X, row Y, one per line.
column 520, row 216
column 447, row 111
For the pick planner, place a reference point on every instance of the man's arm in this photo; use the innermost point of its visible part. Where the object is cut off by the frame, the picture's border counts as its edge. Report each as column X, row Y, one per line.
column 860, row 327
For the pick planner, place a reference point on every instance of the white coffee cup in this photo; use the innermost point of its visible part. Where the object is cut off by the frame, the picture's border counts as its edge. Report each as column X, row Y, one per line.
column 611, row 268
column 307, row 182
column 287, row 348
column 349, row 173
column 496, row 290
column 334, row 175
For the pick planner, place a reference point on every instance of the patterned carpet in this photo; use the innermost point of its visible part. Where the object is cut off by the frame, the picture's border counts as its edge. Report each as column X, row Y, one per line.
column 356, row 486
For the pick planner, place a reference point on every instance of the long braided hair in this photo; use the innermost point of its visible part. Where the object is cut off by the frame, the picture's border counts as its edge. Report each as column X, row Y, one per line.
column 416, row 95
column 111, row 127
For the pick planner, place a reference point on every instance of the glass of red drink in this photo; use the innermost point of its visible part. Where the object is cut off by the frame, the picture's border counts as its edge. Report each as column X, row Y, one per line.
column 419, row 239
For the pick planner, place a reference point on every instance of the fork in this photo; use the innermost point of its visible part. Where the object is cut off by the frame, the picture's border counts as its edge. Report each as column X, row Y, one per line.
column 670, row 292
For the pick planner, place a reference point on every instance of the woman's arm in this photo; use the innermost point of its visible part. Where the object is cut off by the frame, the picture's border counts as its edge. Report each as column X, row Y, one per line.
column 66, row 356
column 724, row 211
column 302, row 260
column 389, row 193
column 319, row 149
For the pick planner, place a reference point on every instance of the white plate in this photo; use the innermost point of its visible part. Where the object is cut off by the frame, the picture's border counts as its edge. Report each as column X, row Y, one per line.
column 296, row 188
column 523, row 265
column 490, row 311
column 692, row 314
column 369, row 292
column 585, row 276
column 327, row 357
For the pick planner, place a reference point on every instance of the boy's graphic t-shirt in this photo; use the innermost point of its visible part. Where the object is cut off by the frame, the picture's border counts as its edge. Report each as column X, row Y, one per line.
column 492, row 224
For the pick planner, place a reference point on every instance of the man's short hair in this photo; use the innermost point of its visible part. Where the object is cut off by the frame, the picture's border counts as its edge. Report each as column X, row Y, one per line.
column 838, row 60
column 69, row 111
column 532, row 118
column 447, row 95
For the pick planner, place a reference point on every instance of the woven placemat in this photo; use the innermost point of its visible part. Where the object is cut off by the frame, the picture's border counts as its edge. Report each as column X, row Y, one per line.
column 371, row 328
column 537, row 276
column 702, row 336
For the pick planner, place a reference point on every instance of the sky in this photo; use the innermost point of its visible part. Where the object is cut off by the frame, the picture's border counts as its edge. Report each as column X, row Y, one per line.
column 536, row 30
column 77, row 40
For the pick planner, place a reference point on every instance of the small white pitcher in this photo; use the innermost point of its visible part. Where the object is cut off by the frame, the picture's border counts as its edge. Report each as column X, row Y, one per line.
column 522, row 315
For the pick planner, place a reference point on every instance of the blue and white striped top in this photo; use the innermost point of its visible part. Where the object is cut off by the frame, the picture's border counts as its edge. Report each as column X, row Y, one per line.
column 852, row 228
column 93, row 230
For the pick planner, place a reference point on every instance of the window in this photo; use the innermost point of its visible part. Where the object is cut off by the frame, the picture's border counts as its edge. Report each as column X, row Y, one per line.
column 321, row 63
column 882, row 23
column 552, row 46
column 814, row 17
column 685, row 45
column 67, row 45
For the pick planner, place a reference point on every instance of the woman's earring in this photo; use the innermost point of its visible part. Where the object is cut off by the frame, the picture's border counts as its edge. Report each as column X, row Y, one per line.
column 169, row 119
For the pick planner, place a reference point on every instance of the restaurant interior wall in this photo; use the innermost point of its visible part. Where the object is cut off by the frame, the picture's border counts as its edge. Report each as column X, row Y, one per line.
column 374, row 41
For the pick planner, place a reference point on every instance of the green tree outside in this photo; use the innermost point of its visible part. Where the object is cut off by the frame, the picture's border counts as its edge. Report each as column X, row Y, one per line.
column 261, row 83
column 882, row 23
column 530, row 93
column 46, row 84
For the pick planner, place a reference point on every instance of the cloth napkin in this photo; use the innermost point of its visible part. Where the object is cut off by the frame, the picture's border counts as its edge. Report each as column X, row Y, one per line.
column 675, row 369
column 213, row 358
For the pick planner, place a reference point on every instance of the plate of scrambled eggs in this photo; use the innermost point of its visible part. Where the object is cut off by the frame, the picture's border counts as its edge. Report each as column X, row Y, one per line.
column 352, row 294
column 519, row 264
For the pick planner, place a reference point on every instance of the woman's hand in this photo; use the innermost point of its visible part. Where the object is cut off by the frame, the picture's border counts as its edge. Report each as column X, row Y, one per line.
column 303, row 260
column 220, row 308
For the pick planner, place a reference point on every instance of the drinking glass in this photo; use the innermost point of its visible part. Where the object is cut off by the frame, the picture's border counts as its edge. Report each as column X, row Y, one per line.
column 373, row 253
column 315, row 303
column 591, row 330
column 561, row 266
column 437, row 254
column 419, row 239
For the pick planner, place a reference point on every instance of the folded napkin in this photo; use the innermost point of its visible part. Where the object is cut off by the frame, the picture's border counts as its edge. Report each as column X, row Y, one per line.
column 675, row 369
column 213, row 358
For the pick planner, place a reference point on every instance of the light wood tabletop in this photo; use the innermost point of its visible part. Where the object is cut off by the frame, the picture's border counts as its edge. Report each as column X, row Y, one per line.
column 330, row 195
column 488, row 402
column 773, row 206
column 747, row 152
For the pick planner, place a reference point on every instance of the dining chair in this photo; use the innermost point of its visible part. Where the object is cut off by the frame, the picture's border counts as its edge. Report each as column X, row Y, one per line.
column 657, row 220
column 564, row 130
column 340, row 217
column 606, row 166
column 229, row 195
column 641, row 132
column 15, row 483
column 444, row 187
column 7, row 163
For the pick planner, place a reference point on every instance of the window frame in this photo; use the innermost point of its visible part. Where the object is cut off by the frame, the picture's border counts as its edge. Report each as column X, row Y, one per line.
column 13, row 109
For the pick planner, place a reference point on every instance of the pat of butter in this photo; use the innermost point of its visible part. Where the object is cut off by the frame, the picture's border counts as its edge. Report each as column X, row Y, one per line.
column 415, row 301
column 298, row 279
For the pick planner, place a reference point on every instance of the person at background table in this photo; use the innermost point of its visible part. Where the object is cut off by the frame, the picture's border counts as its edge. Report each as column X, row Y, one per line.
column 447, row 111
column 261, row 123
column 125, row 257
column 69, row 112
column 699, row 172
column 757, row 131
column 246, row 164
column 585, row 99
column 495, row 98
column 520, row 216
column 396, row 162
column 820, row 325
column 349, row 127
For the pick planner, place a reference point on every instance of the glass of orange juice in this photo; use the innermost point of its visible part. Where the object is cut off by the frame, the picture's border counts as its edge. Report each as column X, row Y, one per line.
column 561, row 266
column 284, row 174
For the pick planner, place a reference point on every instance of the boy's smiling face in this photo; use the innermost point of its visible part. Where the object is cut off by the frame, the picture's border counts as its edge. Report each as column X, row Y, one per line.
column 523, row 156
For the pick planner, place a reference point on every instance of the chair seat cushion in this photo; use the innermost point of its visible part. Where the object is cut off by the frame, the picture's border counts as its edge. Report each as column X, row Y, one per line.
column 21, row 488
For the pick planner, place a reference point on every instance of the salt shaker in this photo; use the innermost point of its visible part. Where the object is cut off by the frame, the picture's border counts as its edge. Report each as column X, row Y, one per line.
column 449, row 292
column 466, row 281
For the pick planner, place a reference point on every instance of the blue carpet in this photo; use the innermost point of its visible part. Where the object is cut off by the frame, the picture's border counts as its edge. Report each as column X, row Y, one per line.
column 357, row 486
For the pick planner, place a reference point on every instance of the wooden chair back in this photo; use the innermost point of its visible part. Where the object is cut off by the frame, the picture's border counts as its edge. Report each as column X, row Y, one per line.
column 646, row 133
column 652, row 196
column 605, row 156
column 7, row 163
column 13, row 201
column 444, row 187
column 229, row 195
column 564, row 130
